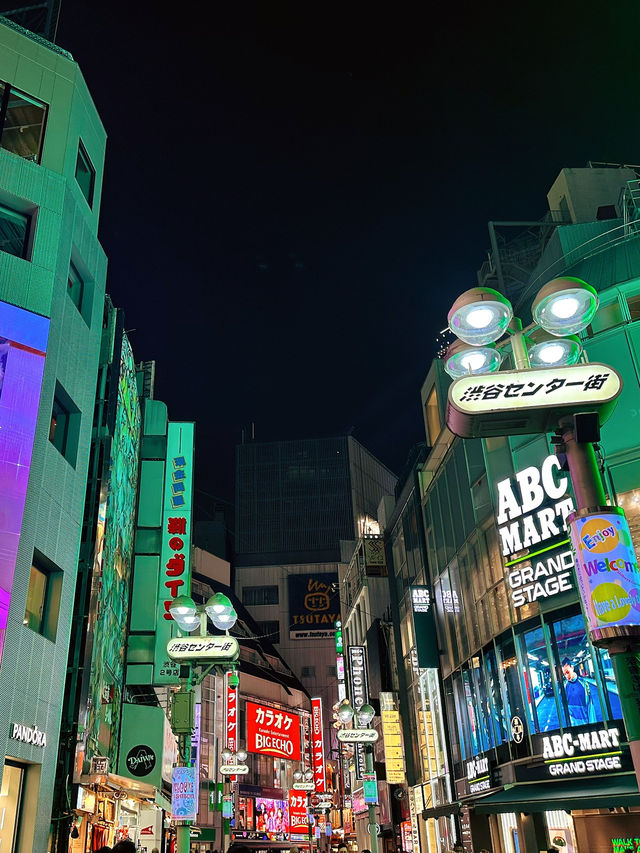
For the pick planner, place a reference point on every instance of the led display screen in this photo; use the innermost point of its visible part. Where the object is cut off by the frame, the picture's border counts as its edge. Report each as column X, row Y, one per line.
column 23, row 345
column 272, row 817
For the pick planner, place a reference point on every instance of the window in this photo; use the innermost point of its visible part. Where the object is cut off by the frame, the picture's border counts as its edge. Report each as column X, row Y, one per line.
column 76, row 289
column 633, row 304
column 22, row 121
column 85, row 173
column 14, row 232
column 608, row 317
column 257, row 595
column 65, row 425
column 433, row 417
column 332, row 672
column 270, row 630
column 308, row 672
column 43, row 598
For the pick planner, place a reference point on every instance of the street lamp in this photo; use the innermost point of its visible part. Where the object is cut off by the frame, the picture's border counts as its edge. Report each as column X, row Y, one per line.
column 189, row 616
column 363, row 716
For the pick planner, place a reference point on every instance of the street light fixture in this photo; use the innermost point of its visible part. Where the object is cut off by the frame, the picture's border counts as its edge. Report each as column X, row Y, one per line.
column 480, row 316
column 565, row 306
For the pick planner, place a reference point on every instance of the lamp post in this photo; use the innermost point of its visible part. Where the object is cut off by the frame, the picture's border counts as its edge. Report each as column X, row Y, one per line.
column 303, row 781
column 190, row 617
column 576, row 404
column 364, row 715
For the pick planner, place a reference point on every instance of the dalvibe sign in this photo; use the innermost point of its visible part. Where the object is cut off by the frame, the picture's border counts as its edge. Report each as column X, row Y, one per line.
column 607, row 573
column 271, row 731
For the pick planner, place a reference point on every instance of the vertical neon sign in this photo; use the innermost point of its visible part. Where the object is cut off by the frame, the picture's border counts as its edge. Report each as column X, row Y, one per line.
column 23, row 346
column 317, row 745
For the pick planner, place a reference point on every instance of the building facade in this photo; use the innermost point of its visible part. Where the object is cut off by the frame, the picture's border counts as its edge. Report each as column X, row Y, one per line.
column 52, row 281
column 295, row 502
column 538, row 746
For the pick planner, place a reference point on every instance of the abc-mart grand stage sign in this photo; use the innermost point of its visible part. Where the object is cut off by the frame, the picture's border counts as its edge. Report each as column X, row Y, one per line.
column 518, row 402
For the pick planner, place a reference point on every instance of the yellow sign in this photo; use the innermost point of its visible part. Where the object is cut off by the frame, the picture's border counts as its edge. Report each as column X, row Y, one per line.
column 392, row 737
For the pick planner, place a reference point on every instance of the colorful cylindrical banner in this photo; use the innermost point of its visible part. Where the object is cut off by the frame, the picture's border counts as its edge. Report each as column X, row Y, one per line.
column 607, row 574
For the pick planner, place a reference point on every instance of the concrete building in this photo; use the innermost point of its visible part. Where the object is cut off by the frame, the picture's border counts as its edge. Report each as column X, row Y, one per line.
column 295, row 502
column 52, row 281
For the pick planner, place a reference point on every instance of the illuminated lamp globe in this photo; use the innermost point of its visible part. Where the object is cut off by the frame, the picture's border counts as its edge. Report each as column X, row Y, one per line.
column 218, row 603
column 461, row 359
column 226, row 754
column 565, row 306
column 553, row 351
column 297, row 775
column 308, row 775
column 224, row 621
column 234, row 681
column 241, row 755
column 480, row 316
column 345, row 712
column 182, row 605
column 365, row 715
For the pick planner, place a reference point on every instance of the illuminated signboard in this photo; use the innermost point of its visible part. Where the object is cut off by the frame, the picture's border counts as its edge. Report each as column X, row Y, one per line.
column 607, row 572
column 313, row 606
column 298, row 820
column 317, row 745
column 175, row 553
column 272, row 818
column 582, row 752
column 392, row 737
column 231, row 713
column 517, row 402
column 426, row 651
column 184, row 793
column 532, row 508
column 359, row 694
column 478, row 774
column 23, row 345
column 271, row 731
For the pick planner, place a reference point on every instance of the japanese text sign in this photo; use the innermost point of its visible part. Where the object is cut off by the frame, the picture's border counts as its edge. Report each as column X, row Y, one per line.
column 231, row 713
column 359, row 692
column 203, row 648
column 271, row 731
column 392, row 736
column 183, row 793
column 298, row 821
column 488, row 404
column 607, row 573
column 317, row 745
column 175, row 548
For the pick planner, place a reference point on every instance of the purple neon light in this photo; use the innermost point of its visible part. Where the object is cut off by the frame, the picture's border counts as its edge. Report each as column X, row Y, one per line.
column 21, row 373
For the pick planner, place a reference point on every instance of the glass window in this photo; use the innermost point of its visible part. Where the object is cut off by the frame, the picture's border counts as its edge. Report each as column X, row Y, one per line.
column 270, row 630
column 11, row 794
column 36, row 596
column 610, row 686
column 577, row 670
column 608, row 317
column 14, row 232
column 542, row 709
column 483, row 708
column 433, row 417
column 501, row 715
column 75, row 287
column 308, row 672
column 257, row 595
column 633, row 303
column 85, row 173
column 65, row 425
column 22, row 121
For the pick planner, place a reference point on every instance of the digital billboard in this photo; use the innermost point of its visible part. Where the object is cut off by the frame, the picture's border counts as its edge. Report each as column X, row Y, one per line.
column 271, row 731
column 313, row 606
column 23, row 346
column 272, row 817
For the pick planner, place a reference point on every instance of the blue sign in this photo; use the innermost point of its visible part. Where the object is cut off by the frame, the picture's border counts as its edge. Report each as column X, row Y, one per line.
column 184, row 793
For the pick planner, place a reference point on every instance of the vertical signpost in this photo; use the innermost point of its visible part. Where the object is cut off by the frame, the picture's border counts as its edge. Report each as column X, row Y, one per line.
column 317, row 746
column 359, row 692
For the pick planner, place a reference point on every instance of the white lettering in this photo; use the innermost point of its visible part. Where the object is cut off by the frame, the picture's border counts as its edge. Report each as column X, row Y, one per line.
column 530, row 489
column 508, row 508
column 553, row 489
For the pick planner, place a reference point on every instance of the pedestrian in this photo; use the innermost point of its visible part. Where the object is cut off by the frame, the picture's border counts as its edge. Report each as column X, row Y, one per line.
column 124, row 846
column 238, row 848
column 578, row 693
column 104, row 849
column 366, row 850
column 294, row 850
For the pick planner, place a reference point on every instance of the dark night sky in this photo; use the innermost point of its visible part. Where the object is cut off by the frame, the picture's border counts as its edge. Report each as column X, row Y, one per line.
column 295, row 193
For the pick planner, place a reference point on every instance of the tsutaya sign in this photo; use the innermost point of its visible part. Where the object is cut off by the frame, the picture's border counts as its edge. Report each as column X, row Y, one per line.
column 532, row 507
column 519, row 402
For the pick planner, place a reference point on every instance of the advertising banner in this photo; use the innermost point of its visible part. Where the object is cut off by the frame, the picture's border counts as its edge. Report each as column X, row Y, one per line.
column 425, row 629
column 175, row 548
column 392, row 736
column 298, row 820
column 23, row 345
column 317, row 745
column 231, row 713
column 313, row 607
column 359, row 693
column 147, row 745
column 184, row 793
column 607, row 573
column 271, row 731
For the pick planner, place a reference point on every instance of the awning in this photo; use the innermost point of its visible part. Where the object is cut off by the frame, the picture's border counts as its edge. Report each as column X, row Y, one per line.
column 441, row 811
column 601, row 793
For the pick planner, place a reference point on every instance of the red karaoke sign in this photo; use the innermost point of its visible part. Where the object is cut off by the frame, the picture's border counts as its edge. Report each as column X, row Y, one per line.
column 298, row 820
column 273, row 732
column 317, row 745
column 232, row 714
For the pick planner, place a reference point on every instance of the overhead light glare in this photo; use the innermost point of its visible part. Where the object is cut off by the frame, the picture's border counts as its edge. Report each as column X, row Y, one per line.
column 565, row 306
column 554, row 352
column 464, row 360
column 480, row 316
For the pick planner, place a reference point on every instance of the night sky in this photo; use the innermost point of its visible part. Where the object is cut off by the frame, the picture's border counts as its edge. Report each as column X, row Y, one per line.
column 295, row 193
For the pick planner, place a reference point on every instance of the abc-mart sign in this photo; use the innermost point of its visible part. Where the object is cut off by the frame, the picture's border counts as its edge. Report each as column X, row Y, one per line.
column 518, row 402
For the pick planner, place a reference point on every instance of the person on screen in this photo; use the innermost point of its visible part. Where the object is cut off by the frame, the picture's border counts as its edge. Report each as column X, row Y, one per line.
column 578, row 693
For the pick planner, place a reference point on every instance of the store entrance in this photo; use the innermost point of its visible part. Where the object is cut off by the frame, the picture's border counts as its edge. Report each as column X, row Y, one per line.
column 10, row 804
